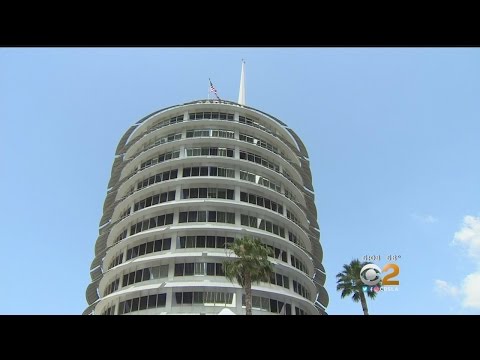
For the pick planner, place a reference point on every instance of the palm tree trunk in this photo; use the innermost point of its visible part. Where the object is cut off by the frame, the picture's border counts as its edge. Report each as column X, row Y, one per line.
column 248, row 293
column 363, row 301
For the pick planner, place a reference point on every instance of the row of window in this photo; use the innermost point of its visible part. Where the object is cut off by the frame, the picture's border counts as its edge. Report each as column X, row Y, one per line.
column 163, row 176
column 211, row 193
column 270, row 305
column 109, row 311
column 254, row 140
column 213, row 171
column 124, row 214
column 210, row 151
column 210, row 216
column 162, row 123
column 228, row 134
column 151, row 223
column 154, row 200
column 294, row 238
column 160, row 158
column 202, row 298
column 261, row 201
column 150, row 273
column 262, row 224
column 164, row 139
column 158, row 125
column 299, row 311
column 211, row 133
column 149, row 247
column 117, row 260
column 218, row 116
column 193, row 269
column 142, row 303
column 292, row 217
column 290, row 195
column 280, row 280
column 200, row 268
column 200, row 241
column 208, row 193
column 278, row 253
column 298, row 264
column 208, row 171
column 260, row 180
column 122, row 236
column 206, row 298
column 244, row 155
column 204, row 216
column 301, row 290
column 113, row 286
column 256, row 124
column 210, row 115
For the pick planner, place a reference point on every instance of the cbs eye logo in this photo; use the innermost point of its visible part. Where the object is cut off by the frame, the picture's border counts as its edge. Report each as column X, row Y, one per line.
column 370, row 274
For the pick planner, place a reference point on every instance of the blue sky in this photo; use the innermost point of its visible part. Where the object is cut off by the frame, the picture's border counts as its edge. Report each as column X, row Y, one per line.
column 392, row 133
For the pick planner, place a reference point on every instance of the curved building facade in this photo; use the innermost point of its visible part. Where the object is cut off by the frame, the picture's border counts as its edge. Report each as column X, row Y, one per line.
column 186, row 181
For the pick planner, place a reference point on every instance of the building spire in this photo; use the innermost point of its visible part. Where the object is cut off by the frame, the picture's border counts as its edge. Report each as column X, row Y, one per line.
column 241, row 92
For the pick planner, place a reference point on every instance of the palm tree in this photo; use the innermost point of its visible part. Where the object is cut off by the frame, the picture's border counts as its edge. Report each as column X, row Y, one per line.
column 349, row 283
column 251, row 265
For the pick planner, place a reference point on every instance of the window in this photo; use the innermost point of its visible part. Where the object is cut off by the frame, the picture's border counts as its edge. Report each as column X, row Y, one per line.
column 210, row 151
column 261, row 201
column 201, row 216
column 163, row 176
column 160, row 158
column 162, row 123
column 262, row 224
column 208, row 171
column 280, row 280
column 142, row 303
column 298, row 264
column 209, row 298
column 251, row 177
column 116, row 261
column 269, row 305
column 301, row 290
column 122, row 236
column 199, row 269
column 211, row 133
column 259, row 160
column 151, row 223
column 154, row 200
column 149, row 247
column 179, row 269
column 204, row 193
column 293, row 238
column 109, row 311
column 189, row 269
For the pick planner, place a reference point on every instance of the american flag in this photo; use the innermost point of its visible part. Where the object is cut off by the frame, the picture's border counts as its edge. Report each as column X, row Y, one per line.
column 212, row 89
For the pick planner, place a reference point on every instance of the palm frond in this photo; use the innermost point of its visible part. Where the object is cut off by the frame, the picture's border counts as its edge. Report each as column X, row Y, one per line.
column 349, row 282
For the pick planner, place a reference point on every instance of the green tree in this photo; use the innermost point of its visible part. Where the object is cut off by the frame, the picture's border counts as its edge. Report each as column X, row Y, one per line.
column 251, row 265
column 349, row 283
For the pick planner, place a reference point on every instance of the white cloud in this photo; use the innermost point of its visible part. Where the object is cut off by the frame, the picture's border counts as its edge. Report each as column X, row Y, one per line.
column 469, row 236
column 471, row 291
column 468, row 292
column 444, row 288
column 427, row 219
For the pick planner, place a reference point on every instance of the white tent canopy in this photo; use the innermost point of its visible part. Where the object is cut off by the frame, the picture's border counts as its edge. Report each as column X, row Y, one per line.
column 226, row 311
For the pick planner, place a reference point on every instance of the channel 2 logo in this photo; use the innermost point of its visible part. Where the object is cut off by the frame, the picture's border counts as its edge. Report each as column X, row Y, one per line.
column 370, row 274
